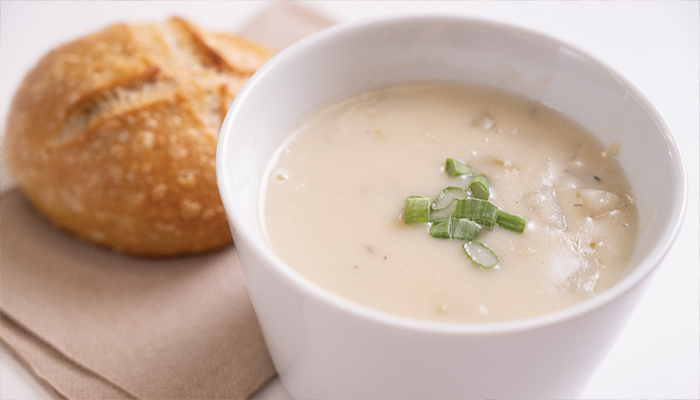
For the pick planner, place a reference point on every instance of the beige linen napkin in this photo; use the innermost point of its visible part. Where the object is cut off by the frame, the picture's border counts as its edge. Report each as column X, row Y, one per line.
column 91, row 323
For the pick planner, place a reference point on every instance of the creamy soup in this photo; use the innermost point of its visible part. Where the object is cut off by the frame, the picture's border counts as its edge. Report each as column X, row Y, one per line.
column 335, row 193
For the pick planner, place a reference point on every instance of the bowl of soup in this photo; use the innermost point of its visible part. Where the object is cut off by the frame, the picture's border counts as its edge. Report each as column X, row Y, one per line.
column 444, row 207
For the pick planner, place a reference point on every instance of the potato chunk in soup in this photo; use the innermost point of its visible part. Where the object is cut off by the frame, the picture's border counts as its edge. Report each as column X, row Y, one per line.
column 335, row 191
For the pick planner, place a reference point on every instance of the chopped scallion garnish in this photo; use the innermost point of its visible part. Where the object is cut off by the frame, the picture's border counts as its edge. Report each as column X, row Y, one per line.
column 480, row 187
column 465, row 229
column 417, row 209
column 457, row 168
column 483, row 212
column 480, row 254
column 458, row 213
column 449, row 210
column 511, row 222
column 441, row 228
column 447, row 196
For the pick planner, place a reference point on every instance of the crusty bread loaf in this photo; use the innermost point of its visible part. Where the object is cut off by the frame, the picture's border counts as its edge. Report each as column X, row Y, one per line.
column 113, row 136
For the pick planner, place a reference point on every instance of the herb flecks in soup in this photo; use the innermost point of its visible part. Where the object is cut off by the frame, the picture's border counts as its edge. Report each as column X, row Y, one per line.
column 334, row 203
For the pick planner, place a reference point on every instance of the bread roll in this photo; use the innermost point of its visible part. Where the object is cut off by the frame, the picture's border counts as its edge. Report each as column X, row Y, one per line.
column 113, row 136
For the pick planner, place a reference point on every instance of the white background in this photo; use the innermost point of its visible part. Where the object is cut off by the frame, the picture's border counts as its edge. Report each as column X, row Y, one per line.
column 654, row 44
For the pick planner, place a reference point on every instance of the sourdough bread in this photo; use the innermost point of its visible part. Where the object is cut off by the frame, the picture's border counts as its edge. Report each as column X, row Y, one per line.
column 113, row 136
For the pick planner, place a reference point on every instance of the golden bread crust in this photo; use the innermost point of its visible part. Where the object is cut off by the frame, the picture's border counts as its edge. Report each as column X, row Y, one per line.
column 113, row 136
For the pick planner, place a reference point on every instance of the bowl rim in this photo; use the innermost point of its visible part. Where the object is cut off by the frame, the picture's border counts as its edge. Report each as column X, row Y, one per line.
column 245, row 235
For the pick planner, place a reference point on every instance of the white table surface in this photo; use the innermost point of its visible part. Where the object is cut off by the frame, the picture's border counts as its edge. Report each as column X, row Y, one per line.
column 655, row 45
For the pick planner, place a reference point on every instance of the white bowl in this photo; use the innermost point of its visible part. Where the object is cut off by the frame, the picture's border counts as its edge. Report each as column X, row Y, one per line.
column 324, row 346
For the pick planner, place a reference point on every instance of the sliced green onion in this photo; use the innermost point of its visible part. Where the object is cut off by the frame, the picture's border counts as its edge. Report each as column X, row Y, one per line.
column 441, row 228
column 480, row 187
column 447, row 196
column 457, row 168
column 459, row 213
column 465, row 229
column 483, row 212
column 417, row 209
column 480, row 254
column 443, row 212
column 511, row 222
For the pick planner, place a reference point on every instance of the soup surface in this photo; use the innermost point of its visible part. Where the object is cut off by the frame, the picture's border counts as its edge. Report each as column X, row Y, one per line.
column 335, row 192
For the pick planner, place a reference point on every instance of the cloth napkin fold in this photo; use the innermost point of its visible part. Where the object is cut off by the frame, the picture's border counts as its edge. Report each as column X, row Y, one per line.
column 128, row 327
column 91, row 323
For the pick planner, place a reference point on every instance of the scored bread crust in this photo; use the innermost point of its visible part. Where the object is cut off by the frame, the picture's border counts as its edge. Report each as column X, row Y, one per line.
column 113, row 136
